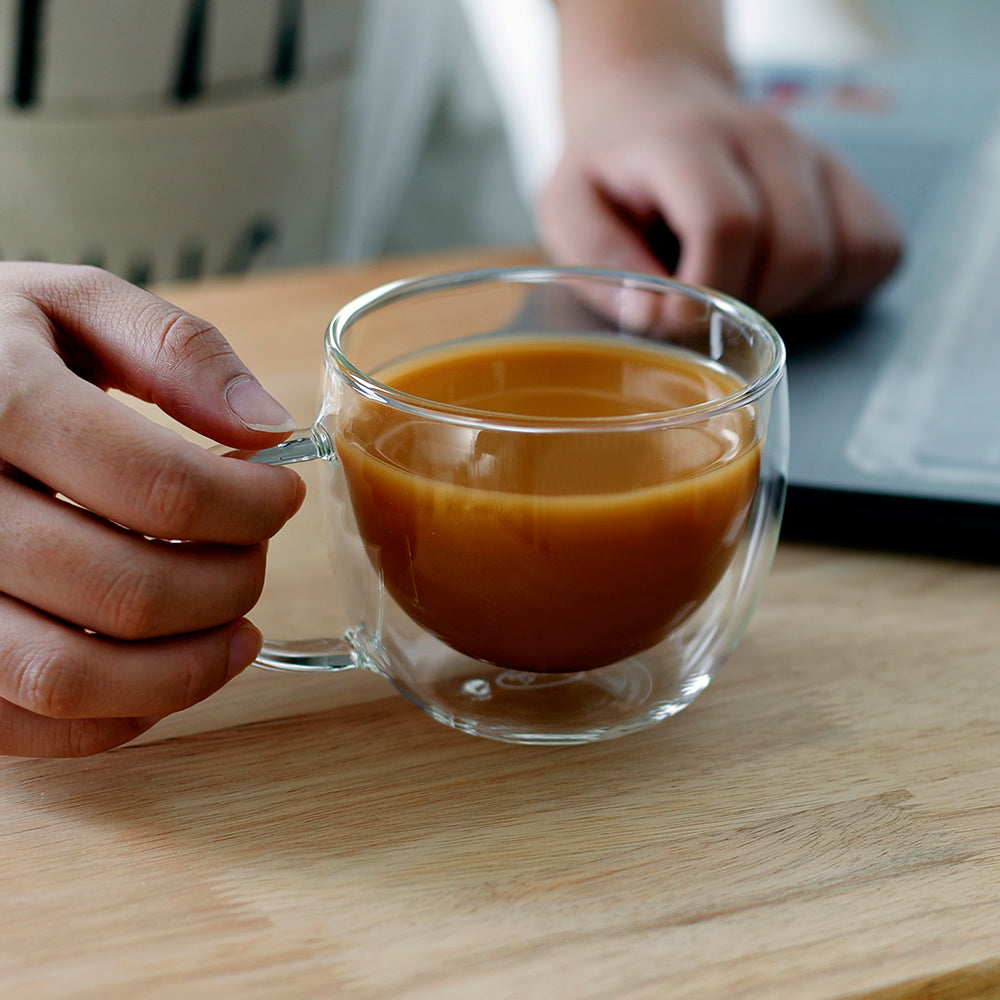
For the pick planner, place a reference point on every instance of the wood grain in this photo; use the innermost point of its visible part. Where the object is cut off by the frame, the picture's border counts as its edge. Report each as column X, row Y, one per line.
column 821, row 823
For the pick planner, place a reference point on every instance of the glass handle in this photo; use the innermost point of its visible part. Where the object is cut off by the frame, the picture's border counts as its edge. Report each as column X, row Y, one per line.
column 305, row 656
column 299, row 655
column 302, row 445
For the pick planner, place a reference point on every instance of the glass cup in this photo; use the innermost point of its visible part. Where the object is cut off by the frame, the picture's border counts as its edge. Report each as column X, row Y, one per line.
column 553, row 494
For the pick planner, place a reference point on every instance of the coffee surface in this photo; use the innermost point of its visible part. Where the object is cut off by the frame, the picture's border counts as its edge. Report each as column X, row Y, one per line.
column 536, row 546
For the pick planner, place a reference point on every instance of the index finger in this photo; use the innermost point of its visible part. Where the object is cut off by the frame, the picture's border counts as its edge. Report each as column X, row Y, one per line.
column 100, row 453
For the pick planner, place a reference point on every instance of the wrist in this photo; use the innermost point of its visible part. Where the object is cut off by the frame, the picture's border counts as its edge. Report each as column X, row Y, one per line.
column 668, row 85
column 612, row 49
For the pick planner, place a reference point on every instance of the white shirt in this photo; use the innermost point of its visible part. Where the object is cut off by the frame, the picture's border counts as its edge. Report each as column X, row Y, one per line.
column 175, row 138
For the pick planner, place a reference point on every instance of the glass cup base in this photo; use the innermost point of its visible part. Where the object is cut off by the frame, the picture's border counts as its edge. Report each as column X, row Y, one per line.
column 555, row 709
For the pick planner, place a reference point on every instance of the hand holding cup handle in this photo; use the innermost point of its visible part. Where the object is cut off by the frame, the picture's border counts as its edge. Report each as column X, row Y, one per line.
column 107, row 622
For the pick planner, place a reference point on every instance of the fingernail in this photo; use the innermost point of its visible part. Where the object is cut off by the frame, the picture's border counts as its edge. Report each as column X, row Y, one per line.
column 243, row 649
column 257, row 409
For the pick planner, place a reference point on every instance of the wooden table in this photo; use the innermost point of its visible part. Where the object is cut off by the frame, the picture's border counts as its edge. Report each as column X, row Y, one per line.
column 824, row 822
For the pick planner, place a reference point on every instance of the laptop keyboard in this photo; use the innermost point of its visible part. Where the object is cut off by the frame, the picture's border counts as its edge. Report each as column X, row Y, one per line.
column 934, row 414
column 962, row 422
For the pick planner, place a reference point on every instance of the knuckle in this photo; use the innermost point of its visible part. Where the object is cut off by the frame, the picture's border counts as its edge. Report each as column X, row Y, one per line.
column 238, row 582
column 132, row 602
column 198, row 673
column 195, row 684
column 172, row 497
column 152, row 597
column 690, row 125
column 185, row 338
column 17, row 361
column 84, row 738
column 763, row 126
column 88, row 281
column 51, row 683
column 808, row 263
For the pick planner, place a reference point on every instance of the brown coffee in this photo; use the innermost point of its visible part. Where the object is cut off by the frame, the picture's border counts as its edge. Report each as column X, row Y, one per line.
column 551, row 549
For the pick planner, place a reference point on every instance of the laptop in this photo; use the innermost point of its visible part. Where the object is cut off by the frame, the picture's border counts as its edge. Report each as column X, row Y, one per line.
column 895, row 409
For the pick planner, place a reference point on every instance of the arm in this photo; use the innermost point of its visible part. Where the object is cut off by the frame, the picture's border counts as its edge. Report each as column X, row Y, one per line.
column 666, row 169
column 105, row 624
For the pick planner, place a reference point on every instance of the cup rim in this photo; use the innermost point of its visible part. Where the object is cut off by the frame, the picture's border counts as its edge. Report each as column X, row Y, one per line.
column 393, row 291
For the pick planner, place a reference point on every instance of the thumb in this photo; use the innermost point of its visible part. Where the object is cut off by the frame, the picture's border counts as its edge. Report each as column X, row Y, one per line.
column 153, row 350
